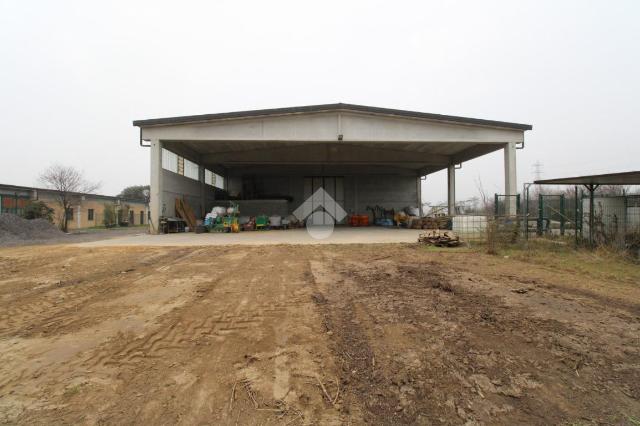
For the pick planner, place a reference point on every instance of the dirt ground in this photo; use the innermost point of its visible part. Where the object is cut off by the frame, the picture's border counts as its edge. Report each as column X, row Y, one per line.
column 380, row 334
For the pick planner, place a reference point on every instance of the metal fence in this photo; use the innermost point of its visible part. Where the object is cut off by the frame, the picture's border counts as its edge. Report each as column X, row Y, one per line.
column 478, row 227
column 614, row 221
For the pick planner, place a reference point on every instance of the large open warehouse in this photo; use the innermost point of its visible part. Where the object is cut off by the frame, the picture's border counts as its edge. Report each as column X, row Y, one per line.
column 272, row 160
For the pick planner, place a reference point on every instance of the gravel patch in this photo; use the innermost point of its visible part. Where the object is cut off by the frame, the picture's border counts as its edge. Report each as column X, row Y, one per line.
column 14, row 229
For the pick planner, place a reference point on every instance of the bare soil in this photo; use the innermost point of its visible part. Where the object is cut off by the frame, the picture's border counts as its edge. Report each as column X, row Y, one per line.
column 382, row 334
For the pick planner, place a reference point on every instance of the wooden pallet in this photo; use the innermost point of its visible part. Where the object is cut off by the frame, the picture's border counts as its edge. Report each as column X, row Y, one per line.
column 439, row 238
column 185, row 212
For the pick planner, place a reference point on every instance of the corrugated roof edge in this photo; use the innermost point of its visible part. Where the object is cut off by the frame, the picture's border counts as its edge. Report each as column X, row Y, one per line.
column 327, row 107
column 622, row 178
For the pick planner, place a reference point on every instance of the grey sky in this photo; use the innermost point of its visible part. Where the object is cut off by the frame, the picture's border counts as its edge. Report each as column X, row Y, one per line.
column 75, row 74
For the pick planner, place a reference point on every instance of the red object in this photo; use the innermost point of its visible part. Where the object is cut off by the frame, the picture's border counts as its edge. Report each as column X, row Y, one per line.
column 359, row 220
column 363, row 220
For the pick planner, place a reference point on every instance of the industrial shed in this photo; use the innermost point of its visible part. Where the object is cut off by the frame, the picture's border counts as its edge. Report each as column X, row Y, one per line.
column 274, row 159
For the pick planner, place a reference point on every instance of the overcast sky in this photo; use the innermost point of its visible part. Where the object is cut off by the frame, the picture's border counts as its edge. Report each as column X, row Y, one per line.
column 75, row 74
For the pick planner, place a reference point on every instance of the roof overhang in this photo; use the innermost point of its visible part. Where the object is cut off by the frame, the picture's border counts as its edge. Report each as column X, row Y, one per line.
column 336, row 134
column 624, row 178
column 326, row 108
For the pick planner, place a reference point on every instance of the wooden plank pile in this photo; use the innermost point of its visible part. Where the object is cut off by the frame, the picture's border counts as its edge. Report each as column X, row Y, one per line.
column 440, row 238
column 184, row 211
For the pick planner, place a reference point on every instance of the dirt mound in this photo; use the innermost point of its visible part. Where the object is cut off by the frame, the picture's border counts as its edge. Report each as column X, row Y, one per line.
column 16, row 229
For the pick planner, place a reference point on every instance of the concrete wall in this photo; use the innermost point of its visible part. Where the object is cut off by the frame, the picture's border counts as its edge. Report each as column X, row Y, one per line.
column 387, row 190
column 615, row 216
column 179, row 187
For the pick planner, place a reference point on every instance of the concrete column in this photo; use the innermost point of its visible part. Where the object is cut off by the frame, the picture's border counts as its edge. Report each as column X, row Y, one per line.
column 156, row 201
column 419, row 198
column 355, row 197
column 451, row 187
column 79, row 217
column 510, row 180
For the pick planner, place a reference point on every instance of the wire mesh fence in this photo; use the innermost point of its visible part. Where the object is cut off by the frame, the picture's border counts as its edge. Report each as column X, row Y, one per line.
column 503, row 229
column 614, row 220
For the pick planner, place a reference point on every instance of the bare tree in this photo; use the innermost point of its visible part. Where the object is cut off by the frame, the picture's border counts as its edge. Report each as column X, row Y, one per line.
column 69, row 185
column 614, row 190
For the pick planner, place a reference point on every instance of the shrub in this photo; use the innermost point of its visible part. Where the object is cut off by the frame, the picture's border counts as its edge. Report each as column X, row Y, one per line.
column 109, row 216
column 38, row 210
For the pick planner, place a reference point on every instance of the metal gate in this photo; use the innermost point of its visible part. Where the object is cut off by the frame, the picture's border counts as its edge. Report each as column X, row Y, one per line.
column 333, row 186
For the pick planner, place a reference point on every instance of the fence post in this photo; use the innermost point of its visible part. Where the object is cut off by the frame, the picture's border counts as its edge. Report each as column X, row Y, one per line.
column 526, row 213
column 575, row 215
column 540, row 214
column 626, row 217
column 591, row 189
column 562, row 217
column 582, row 214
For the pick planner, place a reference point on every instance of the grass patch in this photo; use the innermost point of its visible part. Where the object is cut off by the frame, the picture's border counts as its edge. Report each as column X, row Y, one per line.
column 72, row 390
column 635, row 421
column 601, row 263
column 436, row 249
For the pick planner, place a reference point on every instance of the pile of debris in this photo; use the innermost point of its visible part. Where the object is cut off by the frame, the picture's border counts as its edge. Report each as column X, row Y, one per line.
column 15, row 229
column 440, row 238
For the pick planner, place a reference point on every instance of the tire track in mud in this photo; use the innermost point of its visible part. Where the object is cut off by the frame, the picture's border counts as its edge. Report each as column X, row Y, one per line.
column 363, row 303
column 60, row 305
column 180, row 330
column 68, row 319
column 204, row 330
column 350, row 345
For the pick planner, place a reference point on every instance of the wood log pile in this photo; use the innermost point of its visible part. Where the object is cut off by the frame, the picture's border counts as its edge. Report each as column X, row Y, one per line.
column 439, row 238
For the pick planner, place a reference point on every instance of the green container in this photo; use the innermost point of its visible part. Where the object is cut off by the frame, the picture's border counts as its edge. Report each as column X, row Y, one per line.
column 262, row 222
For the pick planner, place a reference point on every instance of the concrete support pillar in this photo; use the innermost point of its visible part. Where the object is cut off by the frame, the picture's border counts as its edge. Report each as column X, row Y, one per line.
column 356, row 210
column 156, row 201
column 451, row 189
column 510, row 180
column 419, row 194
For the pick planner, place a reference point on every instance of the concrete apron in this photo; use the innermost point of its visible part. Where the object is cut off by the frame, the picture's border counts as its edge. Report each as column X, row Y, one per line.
column 341, row 235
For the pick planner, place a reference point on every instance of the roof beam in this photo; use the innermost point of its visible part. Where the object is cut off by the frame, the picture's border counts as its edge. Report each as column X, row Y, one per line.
column 327, row 153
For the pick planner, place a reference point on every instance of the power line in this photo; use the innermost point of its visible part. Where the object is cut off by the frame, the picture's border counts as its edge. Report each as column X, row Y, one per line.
column 537, row 170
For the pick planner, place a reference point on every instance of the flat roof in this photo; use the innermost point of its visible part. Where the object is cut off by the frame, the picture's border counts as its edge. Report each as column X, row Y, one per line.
column 324, row 108
column 15, row 188
column 624, row 178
